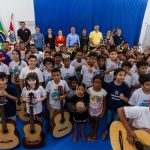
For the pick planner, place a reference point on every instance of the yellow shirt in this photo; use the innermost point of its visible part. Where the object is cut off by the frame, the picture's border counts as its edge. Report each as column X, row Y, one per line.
column 96, row 37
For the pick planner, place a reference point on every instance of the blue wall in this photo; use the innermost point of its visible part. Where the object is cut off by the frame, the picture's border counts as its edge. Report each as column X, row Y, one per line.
column 109, row 14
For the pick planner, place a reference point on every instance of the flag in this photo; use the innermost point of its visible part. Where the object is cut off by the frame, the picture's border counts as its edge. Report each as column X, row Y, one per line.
column 2, row 35
column 11, row 32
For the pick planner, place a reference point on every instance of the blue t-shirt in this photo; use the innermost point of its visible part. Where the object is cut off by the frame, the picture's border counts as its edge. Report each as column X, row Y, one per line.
column 114, row 91
column 9, row 104
column 40, row 39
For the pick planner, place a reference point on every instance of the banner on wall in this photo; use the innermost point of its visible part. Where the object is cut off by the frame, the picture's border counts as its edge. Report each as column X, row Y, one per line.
column 11, row 32
column 2, row 35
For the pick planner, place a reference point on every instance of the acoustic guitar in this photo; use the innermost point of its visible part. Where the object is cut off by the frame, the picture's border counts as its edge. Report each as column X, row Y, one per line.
column 118, row 138
column 9, row 137
column 34, row 137
column 61, row 124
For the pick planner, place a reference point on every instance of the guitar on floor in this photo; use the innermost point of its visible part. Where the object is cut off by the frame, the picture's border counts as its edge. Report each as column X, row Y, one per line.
column 9, row 137
column 34, row 137
column 118, row 138
column 61, row 124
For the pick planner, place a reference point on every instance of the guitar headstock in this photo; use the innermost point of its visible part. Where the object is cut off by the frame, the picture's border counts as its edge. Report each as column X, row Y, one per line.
column 31, row 96
column 60, row 90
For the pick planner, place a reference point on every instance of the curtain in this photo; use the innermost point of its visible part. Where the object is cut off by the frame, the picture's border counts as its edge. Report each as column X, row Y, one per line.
column 108, row 14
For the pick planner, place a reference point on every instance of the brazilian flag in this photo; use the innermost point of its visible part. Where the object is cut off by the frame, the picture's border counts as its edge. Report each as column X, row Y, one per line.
column 2, row 35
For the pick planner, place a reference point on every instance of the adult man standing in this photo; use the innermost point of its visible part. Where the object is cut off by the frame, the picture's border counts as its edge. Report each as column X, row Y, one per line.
column 38, row 39
column 72, row 38
column 95, row 37
column 24, row 34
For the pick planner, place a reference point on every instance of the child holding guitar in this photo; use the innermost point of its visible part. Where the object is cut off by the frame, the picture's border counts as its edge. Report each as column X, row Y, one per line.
column 32, row 85
column 80, row 103
column 10, row 96
column 52, row 91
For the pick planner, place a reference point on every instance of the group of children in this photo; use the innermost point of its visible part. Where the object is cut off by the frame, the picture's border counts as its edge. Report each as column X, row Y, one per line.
column 95, row 83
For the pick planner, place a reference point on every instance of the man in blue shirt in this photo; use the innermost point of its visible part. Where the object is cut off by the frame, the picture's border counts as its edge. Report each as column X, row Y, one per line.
column 38, row 39
column 72, row 38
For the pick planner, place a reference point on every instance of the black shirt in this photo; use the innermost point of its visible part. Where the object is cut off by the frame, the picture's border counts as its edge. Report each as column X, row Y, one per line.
column 114, row 91
column 84, row 40
column 24, row 34
column 9, row 104
column 50, row 41
column 118, row 39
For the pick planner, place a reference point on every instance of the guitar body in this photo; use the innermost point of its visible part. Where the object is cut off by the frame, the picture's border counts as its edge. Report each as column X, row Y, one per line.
column 22, row 113
column 10, row 139
column 117, row 126
column 61, row 129
column 33, row 140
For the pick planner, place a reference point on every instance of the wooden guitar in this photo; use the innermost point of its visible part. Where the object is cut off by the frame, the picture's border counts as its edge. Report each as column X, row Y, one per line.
column 118, row 138
column 9, row 137
column 34, row 137
column 61, row 124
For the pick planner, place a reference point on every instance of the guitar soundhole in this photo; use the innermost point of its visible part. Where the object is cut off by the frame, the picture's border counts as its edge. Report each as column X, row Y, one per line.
column 5, row 131
column 32, row 131
column 62, row 121
column 8, row 141
column 139, row 145
column 33, row 142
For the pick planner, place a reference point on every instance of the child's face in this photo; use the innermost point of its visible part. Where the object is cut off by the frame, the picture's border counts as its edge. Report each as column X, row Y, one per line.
column 101, row 62
column 79, row 56
column 135, row 49
column 32, row 49
column 120, row 76
column 32, row 83
column 32, row 62
column 56, row 76
column 148, row 61
column 80, row 90
column 22, row 46
column 142, row 69
column 85, row 48
column 73, row 84
column 58, row 60
column 75, row 46
column 131, row 60
column 15, row 55
column 146, row 86
column 47, row 55
column 126, row 68
column 140, row 57
column 92, row 60
column 3, row 82
column 113, row 56
column 97, row 83
column 67, row 62
column 48, row 65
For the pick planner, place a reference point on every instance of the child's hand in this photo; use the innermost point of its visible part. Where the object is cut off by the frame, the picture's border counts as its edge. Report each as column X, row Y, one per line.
column 131, row 136
column 26, row 99
column 62, row 97
column 122, row 97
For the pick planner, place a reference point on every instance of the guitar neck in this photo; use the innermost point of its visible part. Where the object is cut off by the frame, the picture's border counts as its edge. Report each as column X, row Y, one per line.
column 3, row 118
column 62, row 112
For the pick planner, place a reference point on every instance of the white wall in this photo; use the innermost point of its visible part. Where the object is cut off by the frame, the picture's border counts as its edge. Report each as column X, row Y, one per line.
column 23, row 10
column 146, row 22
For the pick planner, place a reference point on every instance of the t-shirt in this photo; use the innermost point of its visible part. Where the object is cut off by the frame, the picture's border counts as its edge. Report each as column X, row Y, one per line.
column 15, row 70
column 139, row 97
column 118, row 39
column 110, row 65
column 128, row 80
column 4, row 68
column 24, row 34
column 135, row 78
column 96, row 101
column 67, row 72
column 25, row 71
column 77, row 64
column 47, row 76
column 52, row 89
column 39, row 40
column 140, row 116
column 96, row 37
column 88, row 75
column 114, row 91
column 9, row 104
column 40, row 92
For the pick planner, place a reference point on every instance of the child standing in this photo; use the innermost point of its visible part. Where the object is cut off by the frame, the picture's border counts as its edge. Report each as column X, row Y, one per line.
column 32, row 85
column 52, row 91
column 97, row 105
column 80, row 103
column 89, row 71
column 10, row 96
column 118, row 93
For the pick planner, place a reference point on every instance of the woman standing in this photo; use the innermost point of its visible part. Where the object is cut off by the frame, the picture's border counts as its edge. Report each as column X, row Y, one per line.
column 50, row 39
